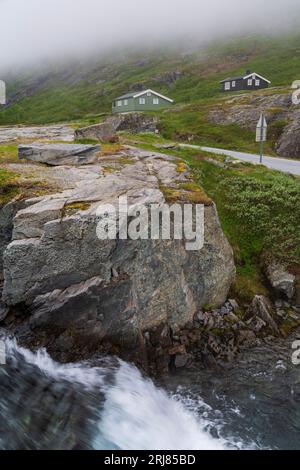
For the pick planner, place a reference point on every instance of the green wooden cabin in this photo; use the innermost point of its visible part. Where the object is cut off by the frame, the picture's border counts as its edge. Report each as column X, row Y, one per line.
column 147, row 100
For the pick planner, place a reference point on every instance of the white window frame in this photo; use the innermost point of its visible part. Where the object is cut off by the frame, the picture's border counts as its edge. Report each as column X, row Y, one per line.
column 125, row 102
column 156, row 100
column 257, row 82
column 142, row 101
column 149, row 93
column 233, row 84
column 250, row 81
column 119, row 103
column 227, row 86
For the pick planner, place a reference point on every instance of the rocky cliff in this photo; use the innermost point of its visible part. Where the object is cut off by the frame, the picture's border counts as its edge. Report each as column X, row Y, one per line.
column 75, row 294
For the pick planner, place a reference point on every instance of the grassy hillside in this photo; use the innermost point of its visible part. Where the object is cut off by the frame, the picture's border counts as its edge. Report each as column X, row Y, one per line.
column 65, row 93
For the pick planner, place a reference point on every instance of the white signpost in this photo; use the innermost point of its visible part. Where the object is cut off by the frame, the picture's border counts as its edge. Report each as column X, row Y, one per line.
column 261, row 133
column 2, row 353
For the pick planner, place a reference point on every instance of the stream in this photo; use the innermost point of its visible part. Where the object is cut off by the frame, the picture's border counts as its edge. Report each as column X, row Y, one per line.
column 107, row 404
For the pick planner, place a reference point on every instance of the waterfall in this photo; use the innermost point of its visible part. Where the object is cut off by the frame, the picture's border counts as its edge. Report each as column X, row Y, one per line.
column 120, row 408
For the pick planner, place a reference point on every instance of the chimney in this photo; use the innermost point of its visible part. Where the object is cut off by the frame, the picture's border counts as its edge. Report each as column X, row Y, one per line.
column 248, row 72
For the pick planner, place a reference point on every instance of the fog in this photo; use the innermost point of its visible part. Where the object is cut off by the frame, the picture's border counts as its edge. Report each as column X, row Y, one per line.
column 38, row 30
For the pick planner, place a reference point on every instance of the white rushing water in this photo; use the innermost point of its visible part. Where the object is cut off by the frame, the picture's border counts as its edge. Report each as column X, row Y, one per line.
column 136, row 414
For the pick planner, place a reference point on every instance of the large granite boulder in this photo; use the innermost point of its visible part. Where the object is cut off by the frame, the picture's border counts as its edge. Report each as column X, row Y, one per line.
column 60, row 154
column 132, row 122
column 107, row 294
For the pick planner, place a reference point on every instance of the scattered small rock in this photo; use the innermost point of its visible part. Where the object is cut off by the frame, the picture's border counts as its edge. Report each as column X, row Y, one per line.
column 247, row 338
column 178, row 349
column 256, row 324
column 166, row 146
column 281, row 281
column 182, row 360
column 281, row 313
column 234, row 304
column 261, row 308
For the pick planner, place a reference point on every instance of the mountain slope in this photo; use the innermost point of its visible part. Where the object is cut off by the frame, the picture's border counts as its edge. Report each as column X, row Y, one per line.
column 73, row 91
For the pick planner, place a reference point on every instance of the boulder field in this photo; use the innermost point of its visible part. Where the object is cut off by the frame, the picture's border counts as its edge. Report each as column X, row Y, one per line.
column 75, row 294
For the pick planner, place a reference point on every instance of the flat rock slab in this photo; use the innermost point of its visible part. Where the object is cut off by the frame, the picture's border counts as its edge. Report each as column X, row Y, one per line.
column 59, row 154
column 10, row 134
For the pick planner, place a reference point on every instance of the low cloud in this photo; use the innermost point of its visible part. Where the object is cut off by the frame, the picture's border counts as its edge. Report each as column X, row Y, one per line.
column 37, row 30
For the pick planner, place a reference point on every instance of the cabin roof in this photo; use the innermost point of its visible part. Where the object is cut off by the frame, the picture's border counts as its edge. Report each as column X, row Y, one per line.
column 137, row 94
column 230, row 79
column 244, row 77
column 127, row 95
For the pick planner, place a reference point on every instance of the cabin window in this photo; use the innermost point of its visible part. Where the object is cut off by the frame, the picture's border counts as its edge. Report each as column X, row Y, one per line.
column 257, row 82
column 249, row 81
column 227, row 86
column 125, row 102
column 233, row 84
column 142, row 101
column 155, row 100
column 119, row 103
column 149, row 93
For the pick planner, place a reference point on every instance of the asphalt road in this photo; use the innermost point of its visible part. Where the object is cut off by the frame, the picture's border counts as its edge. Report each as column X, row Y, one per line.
column 281, row 164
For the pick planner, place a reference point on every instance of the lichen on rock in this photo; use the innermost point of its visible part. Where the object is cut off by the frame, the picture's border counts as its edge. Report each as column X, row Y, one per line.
column 104, row 295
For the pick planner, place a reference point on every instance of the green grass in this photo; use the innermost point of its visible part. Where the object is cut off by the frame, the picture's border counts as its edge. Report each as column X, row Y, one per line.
column 260, row 214
column 14, row 184
column 191, row 123
column 8, row 153
column 8, row 186
column 8, row 179
column 87, row 141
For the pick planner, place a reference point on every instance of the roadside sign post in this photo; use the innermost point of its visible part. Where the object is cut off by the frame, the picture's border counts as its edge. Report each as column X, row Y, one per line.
column 261, row 134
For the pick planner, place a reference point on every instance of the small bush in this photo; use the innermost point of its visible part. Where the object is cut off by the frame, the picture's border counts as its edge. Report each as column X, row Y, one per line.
column 268, row 210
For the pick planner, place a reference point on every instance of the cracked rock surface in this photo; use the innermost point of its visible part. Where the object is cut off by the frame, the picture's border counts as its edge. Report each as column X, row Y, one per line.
column 103, row 295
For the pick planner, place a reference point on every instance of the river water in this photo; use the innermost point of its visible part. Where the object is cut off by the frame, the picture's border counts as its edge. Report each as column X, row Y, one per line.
column 108, row 404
